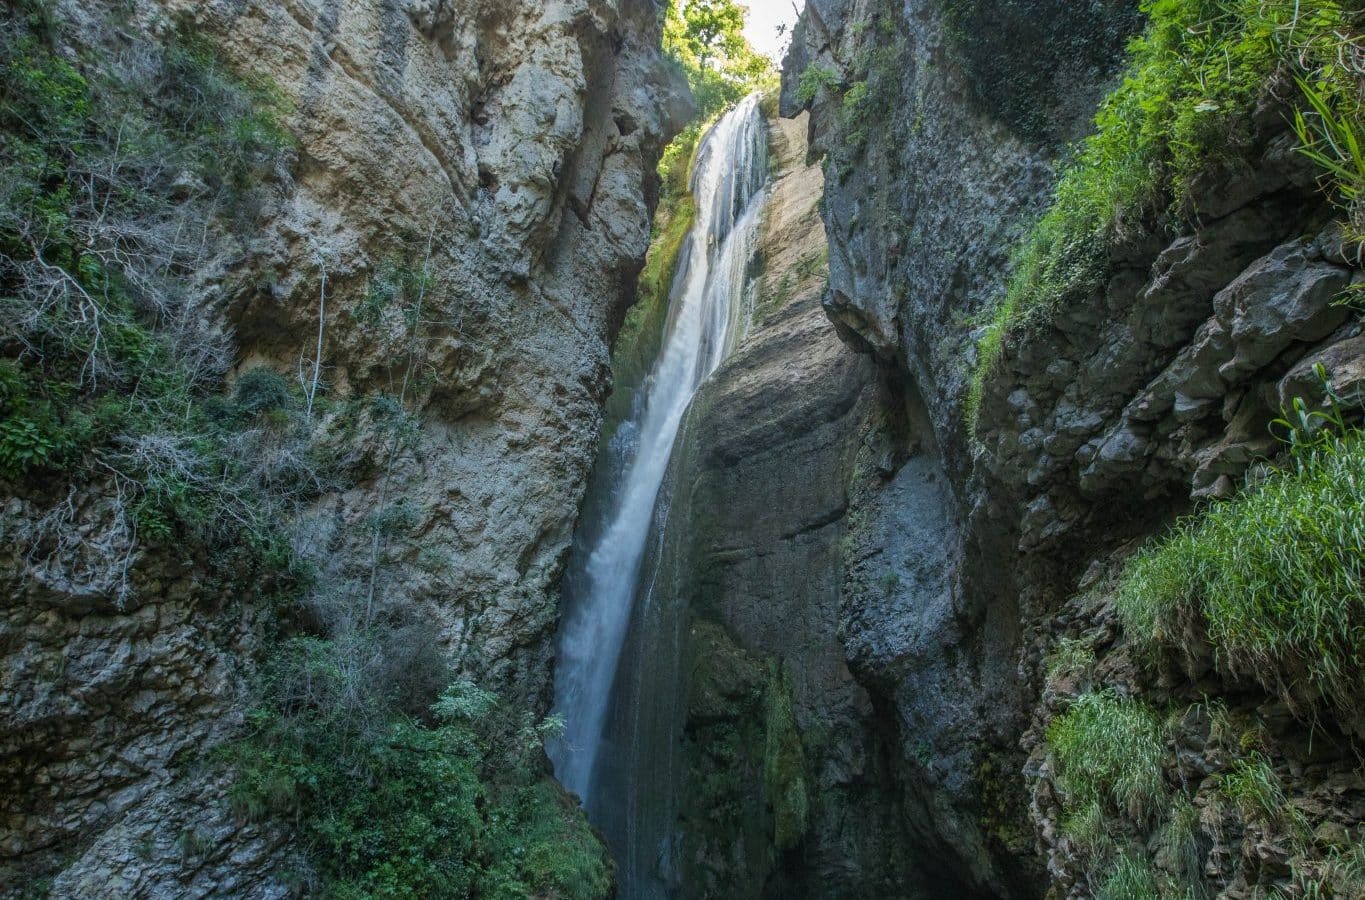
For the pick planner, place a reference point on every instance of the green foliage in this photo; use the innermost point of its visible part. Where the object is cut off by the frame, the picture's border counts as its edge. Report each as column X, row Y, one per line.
column 261, row 390
column 1332, row 134
column 1184, row 110
column 114, row 172
column 1107, row 751
column 449, row 806
column 705, row 38
column 640, row 337
column 784, row 763
column 815, row 79
column 1276, row 576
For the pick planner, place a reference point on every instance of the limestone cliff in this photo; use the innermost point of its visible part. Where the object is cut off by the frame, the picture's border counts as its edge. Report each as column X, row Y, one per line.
column 505, row 150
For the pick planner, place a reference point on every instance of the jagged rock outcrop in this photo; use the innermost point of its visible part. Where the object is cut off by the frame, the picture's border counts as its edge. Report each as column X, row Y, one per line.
column 1095, row 429
column 508, row 151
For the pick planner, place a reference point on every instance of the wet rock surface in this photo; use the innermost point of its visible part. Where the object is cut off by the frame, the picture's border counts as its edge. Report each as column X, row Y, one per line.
column 759, row 515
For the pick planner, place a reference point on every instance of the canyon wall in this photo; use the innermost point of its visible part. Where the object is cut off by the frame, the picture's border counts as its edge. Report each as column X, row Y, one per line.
column 994, row 535
column 784, row 789
column 505, row 150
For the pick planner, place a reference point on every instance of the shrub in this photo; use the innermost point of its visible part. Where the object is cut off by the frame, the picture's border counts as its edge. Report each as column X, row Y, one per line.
column 1276, row 576
column 1107, row 751
column 451, row 804
column 815, row 79
column 261, row 390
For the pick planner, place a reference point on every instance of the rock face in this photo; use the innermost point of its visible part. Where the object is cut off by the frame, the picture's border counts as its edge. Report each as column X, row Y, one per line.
column 508, row 149
column 1094, row 431
column 785, row 789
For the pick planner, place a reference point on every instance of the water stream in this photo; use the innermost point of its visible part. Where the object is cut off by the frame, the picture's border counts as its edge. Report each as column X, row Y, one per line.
column 602, row 756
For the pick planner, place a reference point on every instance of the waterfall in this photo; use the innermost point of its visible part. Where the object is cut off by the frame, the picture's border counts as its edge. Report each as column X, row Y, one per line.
column 709, row 308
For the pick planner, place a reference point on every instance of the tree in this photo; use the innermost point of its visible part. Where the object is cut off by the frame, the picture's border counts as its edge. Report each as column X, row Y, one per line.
column 706, row 38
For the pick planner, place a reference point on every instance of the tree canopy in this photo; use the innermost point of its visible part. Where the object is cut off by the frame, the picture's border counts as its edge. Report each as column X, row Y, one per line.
column 706, row 38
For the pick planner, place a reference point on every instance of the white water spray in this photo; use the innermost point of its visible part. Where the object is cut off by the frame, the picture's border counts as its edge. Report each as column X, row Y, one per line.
column 708, row 312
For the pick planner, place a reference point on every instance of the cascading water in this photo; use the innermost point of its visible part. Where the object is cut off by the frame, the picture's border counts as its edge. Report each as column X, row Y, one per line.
column 610, row 571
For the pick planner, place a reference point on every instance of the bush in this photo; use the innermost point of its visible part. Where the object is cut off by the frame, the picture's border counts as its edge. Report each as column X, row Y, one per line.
column 450, row 804
column 261, row 390
column 1275, row 576
column 815, row 79
column 1107, row 751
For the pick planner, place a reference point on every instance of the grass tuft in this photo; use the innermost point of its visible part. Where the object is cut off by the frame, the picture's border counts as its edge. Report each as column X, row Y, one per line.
column 1276, row 576
column 1107, row 751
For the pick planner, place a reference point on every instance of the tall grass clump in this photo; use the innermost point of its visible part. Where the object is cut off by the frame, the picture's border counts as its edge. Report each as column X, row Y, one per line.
column 1107, row 750
column 1130, row 878
column 1276, row 576
column 1183, row 110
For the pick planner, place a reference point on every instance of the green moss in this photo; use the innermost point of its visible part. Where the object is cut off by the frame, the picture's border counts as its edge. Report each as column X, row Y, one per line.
column 642, row 334
column 1274, row 576
column 784, row 763
column 1004, row 802
column 1183, row 111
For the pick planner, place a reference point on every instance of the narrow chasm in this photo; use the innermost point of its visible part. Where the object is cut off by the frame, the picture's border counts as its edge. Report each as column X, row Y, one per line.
column 682, row 449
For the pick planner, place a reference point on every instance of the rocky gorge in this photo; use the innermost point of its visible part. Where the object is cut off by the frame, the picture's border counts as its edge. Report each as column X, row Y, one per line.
column 1012, row 546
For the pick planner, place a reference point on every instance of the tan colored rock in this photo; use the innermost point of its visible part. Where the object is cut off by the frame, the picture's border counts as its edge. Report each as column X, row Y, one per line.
column 508, row 146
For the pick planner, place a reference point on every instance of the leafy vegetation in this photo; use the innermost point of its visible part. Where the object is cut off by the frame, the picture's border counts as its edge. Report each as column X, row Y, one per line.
column 1274, row 576
column 451, row 803
column 1184, row 110
column 705, row 38
column 116, row 174
column 814, row 79
column 1108, row 750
